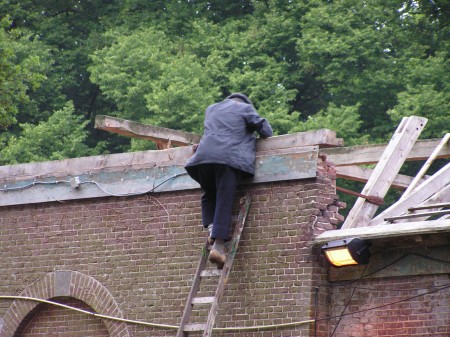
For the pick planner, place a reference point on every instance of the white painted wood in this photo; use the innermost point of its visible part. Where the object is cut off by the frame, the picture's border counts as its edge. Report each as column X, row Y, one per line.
column 437, row 184
column 426, row 166
column 194, row 327
column 203, row 300
column 386, row 231
column 211, row 272
column 425, row 215
column 386, row 170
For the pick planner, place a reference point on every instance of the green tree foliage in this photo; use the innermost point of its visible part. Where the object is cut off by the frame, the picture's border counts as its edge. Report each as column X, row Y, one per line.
column 355, row 67
column 23, row 65
column 61, row 136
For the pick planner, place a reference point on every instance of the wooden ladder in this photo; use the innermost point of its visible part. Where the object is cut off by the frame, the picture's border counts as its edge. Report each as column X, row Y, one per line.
column 202, row 272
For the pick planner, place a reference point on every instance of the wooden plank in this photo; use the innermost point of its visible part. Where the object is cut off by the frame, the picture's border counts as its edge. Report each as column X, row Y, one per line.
column 362, row 174
column 126, row 161
column 441, row 205
column 434, row 185
column 410, row 263
column 426, row 166
column 157, row 134
column 192, row 293
column 128, row 180
column 211, row 273
column 203, row 300
column 386, row 231
column 418, row 215
column 371, row 154
column 194, row 327
column 386, row 170
column 323, row 138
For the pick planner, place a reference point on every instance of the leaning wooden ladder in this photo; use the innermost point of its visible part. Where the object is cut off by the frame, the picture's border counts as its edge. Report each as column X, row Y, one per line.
column 201, row 272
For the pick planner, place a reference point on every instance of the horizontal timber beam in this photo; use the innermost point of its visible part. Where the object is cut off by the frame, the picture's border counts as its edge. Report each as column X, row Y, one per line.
column 386, row 231
column 371, row 154
column 362, row 174
column 156, row 134
column 74, row 179
column 145, row 159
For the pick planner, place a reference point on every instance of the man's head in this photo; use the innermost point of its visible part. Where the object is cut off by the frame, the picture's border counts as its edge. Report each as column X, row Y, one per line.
column 240, row 97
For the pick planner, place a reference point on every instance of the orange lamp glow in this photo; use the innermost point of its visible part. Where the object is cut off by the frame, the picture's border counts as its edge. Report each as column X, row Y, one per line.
column 347, row 252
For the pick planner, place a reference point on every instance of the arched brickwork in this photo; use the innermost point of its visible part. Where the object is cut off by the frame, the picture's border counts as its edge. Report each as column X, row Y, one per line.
column 65, row 283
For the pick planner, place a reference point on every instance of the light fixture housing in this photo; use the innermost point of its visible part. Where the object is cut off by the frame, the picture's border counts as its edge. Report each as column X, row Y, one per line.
column 347, row 252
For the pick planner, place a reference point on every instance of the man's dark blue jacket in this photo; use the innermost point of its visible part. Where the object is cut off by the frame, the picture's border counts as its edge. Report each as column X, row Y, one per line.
column 228, row 136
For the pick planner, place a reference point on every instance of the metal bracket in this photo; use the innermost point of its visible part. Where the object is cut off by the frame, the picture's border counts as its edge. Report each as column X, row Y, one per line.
column 370, row 198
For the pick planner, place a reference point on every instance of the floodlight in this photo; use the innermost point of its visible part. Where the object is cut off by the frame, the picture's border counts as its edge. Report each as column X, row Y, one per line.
column 347, row 252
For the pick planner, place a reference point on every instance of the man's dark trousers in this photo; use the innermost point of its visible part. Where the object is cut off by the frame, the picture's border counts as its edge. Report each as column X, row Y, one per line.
column 219, row 183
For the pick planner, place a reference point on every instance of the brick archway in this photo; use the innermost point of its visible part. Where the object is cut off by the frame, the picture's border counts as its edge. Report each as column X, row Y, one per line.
column 65, row 283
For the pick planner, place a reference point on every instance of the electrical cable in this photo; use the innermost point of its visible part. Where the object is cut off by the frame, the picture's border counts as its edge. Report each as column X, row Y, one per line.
column 387, row 266
column 316, row 304
column 348, row 302
column 151, row 190
column 242, row 328
column 155, row 325
column 7, row 189
column 387, row 304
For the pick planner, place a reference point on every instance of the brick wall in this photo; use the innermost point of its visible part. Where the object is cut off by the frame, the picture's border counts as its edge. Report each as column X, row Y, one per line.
column 135, row 258
column 412, row 312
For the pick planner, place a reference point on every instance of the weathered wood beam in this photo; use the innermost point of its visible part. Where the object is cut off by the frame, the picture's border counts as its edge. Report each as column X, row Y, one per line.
column 371, row 154
column 125, row 175
column 163, row 137
column 145, row 159
column 436, row 185
column 362, row 174
column 418, row 215
column 323, row 138
column 426, row 166
column 386, row 231
column 386, row 170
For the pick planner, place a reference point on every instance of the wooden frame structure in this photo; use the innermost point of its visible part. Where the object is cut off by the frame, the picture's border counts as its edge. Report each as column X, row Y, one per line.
column 422, row 210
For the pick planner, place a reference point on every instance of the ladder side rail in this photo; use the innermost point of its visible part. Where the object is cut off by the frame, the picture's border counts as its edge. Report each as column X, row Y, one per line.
column 194, row 289
column 245, row 206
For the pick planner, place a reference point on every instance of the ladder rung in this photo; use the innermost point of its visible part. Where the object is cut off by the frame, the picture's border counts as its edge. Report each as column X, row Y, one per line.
column 203, row 300
column 194, row 327
column 211, row 272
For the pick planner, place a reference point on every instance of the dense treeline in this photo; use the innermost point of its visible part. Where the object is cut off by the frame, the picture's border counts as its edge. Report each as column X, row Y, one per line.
column 356, row 67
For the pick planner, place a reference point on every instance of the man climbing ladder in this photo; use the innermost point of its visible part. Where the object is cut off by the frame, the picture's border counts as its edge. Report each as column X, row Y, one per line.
column 225, row 155
column 202, row 272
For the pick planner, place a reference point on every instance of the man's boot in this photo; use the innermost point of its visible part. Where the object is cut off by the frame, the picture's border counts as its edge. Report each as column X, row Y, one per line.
column 217, row 254
column 210, row 239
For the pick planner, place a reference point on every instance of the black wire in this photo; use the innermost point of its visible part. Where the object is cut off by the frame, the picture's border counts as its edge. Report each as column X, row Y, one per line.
column 316, row 303
column 348, row 302
column 384, row 305
column 409, row 289
column 387, row 266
